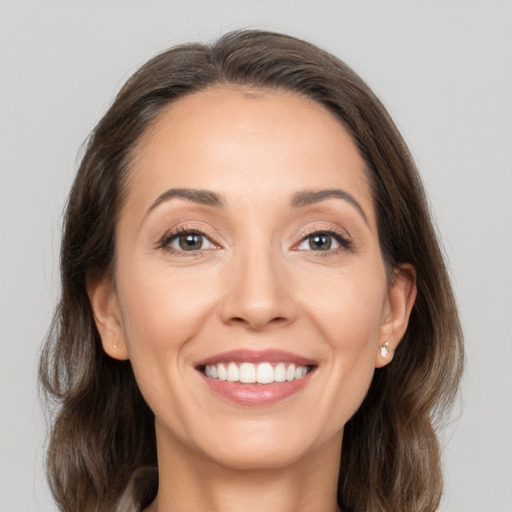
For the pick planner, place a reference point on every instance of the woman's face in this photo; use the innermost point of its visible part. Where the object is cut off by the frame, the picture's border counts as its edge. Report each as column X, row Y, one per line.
column 247, row 249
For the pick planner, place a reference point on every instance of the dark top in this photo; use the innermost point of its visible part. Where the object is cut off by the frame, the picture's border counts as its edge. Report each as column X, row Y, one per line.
column 140, row 491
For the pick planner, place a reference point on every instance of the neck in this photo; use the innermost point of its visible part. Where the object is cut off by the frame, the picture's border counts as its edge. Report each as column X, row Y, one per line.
column 190, row 482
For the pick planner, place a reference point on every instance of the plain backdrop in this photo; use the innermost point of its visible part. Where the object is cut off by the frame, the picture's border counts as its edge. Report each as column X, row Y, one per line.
column 443, row 69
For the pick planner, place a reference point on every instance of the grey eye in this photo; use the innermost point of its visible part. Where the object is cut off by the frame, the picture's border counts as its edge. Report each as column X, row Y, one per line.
column 319, row 242
column 190, row 242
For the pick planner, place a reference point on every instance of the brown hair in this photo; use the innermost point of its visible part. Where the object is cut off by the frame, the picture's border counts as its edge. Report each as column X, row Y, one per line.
column 390, row 457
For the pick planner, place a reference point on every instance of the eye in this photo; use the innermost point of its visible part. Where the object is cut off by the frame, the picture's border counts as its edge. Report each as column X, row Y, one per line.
column 323, row 241
column 318, row 242
column 187, row 241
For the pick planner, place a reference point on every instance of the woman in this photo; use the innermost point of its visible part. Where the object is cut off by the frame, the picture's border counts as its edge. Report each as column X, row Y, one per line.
column 253, row 298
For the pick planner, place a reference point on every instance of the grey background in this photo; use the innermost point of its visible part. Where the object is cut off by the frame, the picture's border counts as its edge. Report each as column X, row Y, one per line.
column 444, row 70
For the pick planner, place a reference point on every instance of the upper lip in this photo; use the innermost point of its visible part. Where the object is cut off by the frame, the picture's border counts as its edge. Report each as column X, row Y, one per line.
column 257, row 356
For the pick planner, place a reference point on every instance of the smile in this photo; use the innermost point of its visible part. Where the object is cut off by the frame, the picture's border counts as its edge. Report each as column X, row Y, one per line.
column 256, row 377
column 261, row 373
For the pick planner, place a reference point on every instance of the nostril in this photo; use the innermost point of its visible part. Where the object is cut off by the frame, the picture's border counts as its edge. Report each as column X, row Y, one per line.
column 255, row 308
column 258, row 323
column 278, row 319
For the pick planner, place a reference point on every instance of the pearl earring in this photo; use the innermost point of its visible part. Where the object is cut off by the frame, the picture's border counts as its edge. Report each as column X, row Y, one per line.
column 384, row 349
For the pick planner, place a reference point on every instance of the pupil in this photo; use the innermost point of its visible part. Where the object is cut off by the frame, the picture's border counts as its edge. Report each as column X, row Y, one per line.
column 190, row 242
column 321, row 242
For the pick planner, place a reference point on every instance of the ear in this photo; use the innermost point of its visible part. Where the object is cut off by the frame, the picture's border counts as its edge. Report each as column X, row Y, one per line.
column 396, row 313
column 103, row 298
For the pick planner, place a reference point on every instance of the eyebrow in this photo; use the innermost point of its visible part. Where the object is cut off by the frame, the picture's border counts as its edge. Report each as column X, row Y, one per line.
column 299, row 200
column 195, row 195
column 308, row 197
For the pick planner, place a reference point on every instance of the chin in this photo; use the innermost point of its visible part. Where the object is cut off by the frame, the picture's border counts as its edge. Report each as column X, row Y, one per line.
column 247, row 456
column 260, row 445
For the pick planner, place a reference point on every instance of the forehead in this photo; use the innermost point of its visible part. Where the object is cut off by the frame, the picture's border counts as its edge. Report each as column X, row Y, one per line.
column 249, row 142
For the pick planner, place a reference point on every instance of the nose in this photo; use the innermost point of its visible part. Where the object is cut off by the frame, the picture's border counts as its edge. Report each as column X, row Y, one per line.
column 257, row 294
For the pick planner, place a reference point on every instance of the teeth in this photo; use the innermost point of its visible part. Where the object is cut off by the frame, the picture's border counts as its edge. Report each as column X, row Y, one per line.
column 221, row 370
column 290, row 372
column 298, row 372
column 265, row 373
column 280, row 373
column 233, row 373
column 249, row 373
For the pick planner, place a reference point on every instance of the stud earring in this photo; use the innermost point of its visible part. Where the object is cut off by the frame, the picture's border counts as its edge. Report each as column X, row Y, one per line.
column 384, row 349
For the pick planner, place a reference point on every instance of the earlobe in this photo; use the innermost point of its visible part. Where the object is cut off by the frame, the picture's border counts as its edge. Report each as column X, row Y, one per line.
column 105, row 308
column 400, row 301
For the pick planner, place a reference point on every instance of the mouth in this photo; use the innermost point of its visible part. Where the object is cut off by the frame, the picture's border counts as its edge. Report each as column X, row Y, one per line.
column 251, row 373
column 254, row 378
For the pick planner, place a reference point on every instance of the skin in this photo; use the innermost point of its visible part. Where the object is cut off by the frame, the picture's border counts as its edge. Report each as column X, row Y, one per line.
column 258, row 283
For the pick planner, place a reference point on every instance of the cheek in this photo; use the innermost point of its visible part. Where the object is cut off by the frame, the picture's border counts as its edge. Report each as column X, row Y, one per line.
column 348, row 314
column 348, row 306
column 162, row 311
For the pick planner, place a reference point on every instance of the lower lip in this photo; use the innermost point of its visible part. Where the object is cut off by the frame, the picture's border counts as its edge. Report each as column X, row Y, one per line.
column 255, row 394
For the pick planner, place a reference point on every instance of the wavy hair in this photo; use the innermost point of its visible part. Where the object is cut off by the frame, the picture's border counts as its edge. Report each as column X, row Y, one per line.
column 391, row 458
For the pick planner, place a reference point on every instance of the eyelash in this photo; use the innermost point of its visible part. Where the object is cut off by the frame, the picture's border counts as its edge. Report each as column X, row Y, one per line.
column 169, row 237
column 340, row 237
